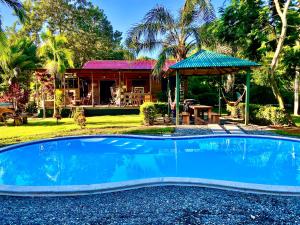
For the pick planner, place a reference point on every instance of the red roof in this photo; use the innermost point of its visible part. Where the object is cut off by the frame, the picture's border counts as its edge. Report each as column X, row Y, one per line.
column 125, row 64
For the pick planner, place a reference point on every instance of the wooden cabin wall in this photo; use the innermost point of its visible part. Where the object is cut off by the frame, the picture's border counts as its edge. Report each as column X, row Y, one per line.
column 122, row 78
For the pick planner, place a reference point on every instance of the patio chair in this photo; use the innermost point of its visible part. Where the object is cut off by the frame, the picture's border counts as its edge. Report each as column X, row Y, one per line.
column 87, row 100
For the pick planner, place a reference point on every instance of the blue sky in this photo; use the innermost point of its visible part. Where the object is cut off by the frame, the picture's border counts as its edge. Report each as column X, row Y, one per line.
column 122, row 13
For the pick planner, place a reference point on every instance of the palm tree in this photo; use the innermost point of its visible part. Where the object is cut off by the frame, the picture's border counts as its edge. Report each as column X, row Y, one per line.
column 17, row 61
column 56, row 57
column 173, row 37
column 17, row 6
column 16, row 65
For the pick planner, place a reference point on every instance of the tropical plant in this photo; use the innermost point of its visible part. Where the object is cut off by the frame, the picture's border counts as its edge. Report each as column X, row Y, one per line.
column 17, row 62
column 148, row 113
column 89, row 33
column 174, row 37
column 56, row 56
column 19, row 11
column 16, row 66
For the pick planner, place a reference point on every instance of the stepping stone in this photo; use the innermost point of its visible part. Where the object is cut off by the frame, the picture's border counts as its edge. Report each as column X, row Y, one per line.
column 216, row 129
column 233, row 129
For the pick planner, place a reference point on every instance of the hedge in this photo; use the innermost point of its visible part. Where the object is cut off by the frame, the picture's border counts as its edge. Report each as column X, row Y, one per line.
column 49, row 113
column 260, row 114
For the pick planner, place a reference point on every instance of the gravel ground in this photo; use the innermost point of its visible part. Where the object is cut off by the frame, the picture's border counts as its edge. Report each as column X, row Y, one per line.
column 155, row 205
column 185, row 130
column 259, row 130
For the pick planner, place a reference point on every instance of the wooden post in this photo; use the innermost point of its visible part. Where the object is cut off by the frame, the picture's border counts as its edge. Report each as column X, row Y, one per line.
column 64, row 80
column 150, row 84
column 168, row 91
column 248, row 76
column 177, row 96
column 296, row 91
column 93, row 103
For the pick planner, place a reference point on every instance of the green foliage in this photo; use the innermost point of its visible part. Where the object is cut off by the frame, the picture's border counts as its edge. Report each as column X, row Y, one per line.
column 260, row 114
column 237, row 111
column 110, row 111
column 148, row 113
column 49, row 113
column 176, row 37
column 17, row 6
column 161, row 108
column 271, row 115
column 203, row 89
column 79, row 117
column 241, row 25
column 90, row 34
column 56, row 56
column 17, row 62
column 59, row 98
column 31, row 107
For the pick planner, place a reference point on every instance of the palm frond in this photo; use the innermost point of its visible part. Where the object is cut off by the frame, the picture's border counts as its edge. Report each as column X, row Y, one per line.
column 161, row 61
column 161, row 16
column 18, row 8
column 203, row 9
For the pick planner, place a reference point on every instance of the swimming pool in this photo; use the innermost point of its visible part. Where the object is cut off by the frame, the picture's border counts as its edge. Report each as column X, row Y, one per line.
column 77, row 165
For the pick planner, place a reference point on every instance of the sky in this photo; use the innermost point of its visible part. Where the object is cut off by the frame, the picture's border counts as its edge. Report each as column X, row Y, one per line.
column 121, row 13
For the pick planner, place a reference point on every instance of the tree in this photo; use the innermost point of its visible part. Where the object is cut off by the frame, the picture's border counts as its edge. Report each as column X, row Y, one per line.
column 16, row 66
column 88, row 31
column 174, row 37
column 282, row 13
column 19, row 11
column 17, row 62
column 57, row 58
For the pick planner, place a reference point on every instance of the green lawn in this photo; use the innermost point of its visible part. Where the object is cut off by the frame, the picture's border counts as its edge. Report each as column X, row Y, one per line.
column 292, row 131
column 47, row 128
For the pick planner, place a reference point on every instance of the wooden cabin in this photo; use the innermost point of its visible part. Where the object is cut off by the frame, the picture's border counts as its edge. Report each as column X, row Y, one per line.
column 112, row 82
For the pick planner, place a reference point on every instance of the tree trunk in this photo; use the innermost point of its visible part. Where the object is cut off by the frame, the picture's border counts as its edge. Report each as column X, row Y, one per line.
column 296, row 92
column 282, row 15
column 54, row 97
column 44, row 106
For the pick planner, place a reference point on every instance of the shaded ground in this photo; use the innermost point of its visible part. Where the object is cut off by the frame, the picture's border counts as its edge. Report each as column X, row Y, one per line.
column 156, row 205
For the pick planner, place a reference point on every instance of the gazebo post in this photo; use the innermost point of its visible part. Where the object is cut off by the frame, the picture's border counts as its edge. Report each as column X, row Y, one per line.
column 248, row 76
column 177, row 96
column 168, row 91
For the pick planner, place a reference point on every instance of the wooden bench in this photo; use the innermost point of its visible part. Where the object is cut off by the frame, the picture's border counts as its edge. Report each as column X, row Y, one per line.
column 215, row 118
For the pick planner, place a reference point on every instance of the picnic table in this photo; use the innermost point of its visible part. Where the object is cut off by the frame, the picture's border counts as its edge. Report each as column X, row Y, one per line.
column 199, row 111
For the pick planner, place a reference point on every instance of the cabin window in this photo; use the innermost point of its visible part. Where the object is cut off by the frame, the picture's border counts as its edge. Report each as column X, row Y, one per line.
column 71, row 83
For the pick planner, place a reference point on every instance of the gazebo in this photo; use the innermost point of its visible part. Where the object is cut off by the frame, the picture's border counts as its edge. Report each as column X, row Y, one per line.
column 211, row 63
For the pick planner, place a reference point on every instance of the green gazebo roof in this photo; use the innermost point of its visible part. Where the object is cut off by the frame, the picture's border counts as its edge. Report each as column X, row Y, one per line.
column 207, row 59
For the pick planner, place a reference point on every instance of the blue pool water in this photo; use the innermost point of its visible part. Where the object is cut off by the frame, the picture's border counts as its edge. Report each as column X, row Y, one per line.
column 96, row 160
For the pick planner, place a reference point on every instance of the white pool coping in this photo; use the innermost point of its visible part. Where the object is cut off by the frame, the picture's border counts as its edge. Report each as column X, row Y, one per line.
column 73, row 190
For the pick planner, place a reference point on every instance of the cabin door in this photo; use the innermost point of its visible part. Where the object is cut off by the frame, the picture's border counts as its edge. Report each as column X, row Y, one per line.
column 105, row 93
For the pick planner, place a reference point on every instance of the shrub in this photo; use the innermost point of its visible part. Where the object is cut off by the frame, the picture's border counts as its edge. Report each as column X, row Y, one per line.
column 237, row 111
column 31, row 107
column 59, row 98
column 161, row 108
column 267, row 115
column 148, row 113
column 258, row 114
column 79, row 117
column 64, row 112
